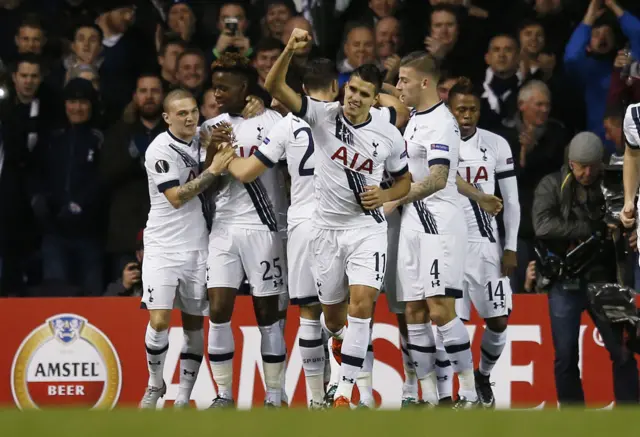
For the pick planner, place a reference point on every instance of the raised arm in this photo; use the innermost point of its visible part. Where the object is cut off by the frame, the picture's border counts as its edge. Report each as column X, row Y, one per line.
column 276, row 82
column 401, row 111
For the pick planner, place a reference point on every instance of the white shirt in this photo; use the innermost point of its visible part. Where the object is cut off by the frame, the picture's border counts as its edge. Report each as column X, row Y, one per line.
column 260, row 204
column 348, row 158
column 485, row 158
column 631, row 126
column 171, row 162
column 433, row 138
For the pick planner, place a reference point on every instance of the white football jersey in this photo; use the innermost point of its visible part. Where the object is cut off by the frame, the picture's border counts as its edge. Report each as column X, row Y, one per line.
column 484, row 159
column 433, row 137
column 260, row 204
column 348, row 158
column 632, row 126
column 171, row 162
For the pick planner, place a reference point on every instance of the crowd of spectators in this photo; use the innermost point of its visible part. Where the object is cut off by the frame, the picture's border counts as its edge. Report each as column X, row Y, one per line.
column 82, row 85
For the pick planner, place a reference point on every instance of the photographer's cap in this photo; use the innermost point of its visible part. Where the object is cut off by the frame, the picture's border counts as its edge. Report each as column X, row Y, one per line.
column 585, row 148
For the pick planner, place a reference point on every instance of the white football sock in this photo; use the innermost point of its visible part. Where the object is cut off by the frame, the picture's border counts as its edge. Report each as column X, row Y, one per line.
column 458, row 346
column 157, row 345
column 312, row 354
column 354, row 351
column 444, row 372
column 273, row 360
column 490, row 350
column 221, row 349
column 422, row 347
column 190, row 361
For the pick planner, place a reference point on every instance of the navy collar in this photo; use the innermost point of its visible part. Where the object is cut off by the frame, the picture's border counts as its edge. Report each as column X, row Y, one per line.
column 356, row 126
column 178, row 139
column 431, row 109
column 470, row 136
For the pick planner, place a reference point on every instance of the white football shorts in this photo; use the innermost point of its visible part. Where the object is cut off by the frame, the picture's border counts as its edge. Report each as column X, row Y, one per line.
column 348, row 256
column 484, row 285
column 430, row 265
column 302, row 287
column 390, row 275
column 175, row 280
column 234, row 251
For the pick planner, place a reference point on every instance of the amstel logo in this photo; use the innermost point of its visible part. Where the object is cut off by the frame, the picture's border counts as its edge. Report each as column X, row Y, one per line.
column 66, row 362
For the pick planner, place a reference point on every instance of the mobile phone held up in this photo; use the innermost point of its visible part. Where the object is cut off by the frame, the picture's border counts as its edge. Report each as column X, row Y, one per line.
column 231, row 25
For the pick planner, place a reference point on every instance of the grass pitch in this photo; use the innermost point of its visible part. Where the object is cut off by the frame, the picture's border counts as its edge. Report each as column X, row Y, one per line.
column 302, row 423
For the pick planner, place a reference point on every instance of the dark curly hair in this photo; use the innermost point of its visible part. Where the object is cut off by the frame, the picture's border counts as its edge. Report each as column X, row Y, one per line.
column 465, row 87
column 231, row 62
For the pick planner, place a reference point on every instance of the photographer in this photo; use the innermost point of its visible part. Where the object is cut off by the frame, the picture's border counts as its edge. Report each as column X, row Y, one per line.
column 130, row 284
column 568, row 210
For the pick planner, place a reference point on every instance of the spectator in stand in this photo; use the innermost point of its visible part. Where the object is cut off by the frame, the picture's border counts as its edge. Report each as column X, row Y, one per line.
column 613, row 118
column 624, row 88
column 123, row 56
column 538, row 145
column 445, row 83
column 209, row 108
column 359, row 49
column 182, row 21
column 85, row 50
column 232, row 26
column 265, row 55
column 25, row 123
column 123, row 172
column 191, row 72
column 30, row 37
column 86, row 72
column 388, row 46
column 502, row 81
column 278, row 12
column 168, row 56
column 533, row 61
column 590, row 54
column 129, row 284
column 66, row 195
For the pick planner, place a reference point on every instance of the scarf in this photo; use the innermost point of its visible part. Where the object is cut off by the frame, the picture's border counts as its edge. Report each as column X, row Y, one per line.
column 497, row 90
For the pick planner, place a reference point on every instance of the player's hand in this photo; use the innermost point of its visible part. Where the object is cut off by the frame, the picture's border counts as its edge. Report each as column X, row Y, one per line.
column 223, row 157
column 491, row 204
column 130, row 275
column 389, row 207
column 628, row 214
column 509, row 262
column 299, row 40
column 215, row 137
column 373, row 197
column 255, row 106
column 633, row 240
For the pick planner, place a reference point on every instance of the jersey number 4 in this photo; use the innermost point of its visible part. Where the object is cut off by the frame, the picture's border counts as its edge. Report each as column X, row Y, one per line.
column 302, row 171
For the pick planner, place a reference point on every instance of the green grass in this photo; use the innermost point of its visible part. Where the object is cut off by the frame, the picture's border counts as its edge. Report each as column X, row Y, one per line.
column 302, row 423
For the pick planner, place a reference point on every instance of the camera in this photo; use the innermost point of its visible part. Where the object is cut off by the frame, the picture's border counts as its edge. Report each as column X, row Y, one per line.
column 231, row 25
column 613, row 191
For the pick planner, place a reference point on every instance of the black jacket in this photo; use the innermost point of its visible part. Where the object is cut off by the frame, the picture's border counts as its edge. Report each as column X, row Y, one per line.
column 66, row 172
column 566, row 213
column 124, row 176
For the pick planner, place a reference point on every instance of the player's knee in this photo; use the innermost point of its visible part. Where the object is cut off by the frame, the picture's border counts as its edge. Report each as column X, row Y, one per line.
column 266, row 310
column 310, row 312
column 497, row 324
column 159, row 320
column 402, row 325
column 361, row 308
column 441, row 314
column 416, row 312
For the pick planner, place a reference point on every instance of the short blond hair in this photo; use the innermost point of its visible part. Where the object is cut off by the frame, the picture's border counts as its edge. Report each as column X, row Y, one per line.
column 177, row 94
column 423, row 63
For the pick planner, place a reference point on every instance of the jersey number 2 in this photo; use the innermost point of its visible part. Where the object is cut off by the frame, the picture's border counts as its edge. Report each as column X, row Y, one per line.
column 310, row 146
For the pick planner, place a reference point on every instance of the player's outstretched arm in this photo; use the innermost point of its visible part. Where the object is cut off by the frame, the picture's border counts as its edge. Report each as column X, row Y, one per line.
column 180, row 195
column 276, row 82
column 402, row 112
column 433, row 183
column 491, row 204
column 247, row 169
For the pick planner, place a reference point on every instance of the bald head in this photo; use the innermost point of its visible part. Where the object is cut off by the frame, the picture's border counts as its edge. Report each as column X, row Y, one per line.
column 387, row 37
column 175, row 95
column 292, row 23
